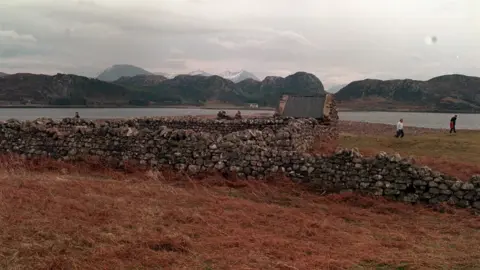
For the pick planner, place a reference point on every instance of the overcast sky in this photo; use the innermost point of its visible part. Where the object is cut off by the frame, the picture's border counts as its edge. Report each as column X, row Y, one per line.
column 339, row 41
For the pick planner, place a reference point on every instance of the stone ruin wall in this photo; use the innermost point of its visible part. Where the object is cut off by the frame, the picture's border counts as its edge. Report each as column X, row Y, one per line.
column 137, row 139
column 274, row 146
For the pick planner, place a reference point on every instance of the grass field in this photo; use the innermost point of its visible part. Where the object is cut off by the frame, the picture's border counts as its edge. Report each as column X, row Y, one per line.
column 56, row 216
column 456, row 154
column 61, row 216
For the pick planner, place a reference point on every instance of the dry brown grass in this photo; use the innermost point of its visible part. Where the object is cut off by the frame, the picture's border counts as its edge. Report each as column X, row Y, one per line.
column 60, row 216
column 456, row 154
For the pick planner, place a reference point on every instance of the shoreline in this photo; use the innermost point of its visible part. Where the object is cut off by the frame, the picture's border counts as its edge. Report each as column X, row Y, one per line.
column 340, row 109
column 408, row 111
column 345, row 126
column 137, row 107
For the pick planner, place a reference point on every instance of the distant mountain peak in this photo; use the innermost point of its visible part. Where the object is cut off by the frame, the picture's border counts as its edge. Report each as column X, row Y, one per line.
column 199, row 73
column 335, row 88
column 115, row 72
column 166, row 75
column 238, row 76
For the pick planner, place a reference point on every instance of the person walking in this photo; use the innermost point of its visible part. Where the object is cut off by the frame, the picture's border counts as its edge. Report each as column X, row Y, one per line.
column 400, row 133
column 453, row 123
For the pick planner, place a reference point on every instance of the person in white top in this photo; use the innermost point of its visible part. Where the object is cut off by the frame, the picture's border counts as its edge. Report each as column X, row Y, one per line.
column 400, row 129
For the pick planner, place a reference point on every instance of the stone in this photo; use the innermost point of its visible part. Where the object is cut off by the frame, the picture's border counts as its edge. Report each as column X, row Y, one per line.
column 443, row 187
column 467, row 186
column 476, row 205
column 193, row 169
column 220, row 165
column 389, row 191
column 446, row 192
column 364, row 185
column 419, row 183
column 470, row 195
column 456, row 186
column 463, row 203
column 432, row 184
column 250, row 148
column 410, row 198
column 475, row 179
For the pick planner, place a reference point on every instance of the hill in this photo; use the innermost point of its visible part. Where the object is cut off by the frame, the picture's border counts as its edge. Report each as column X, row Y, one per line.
column 443, row 93
column 141, row 80
column 115, row 72
column 3, row 74
column 60, row 89
column 269, row 91
column 196, row 90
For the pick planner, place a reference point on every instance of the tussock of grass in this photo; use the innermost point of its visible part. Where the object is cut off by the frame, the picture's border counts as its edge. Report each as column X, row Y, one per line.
column 62, row 216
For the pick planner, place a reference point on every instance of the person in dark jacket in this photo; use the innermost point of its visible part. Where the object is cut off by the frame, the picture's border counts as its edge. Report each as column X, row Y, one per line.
column 453, row 123
column 77, row 116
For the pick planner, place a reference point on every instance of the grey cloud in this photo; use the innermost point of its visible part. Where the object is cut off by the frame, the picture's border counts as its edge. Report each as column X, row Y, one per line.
column 11, row 36
column 178, row 64
column 335, row 41
column 138, row 21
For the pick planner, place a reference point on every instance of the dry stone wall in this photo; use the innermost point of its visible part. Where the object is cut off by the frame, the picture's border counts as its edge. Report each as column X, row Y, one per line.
column 275, row 146
column 391, row 176
column 151, row 141
column 209, row 125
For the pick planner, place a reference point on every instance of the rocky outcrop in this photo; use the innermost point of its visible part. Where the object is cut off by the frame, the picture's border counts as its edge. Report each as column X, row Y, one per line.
column 444, row 93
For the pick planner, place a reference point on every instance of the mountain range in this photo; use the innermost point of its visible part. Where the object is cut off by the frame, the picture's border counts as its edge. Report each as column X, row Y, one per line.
column 151, row 89
column 118, row 87
column 116, row 71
